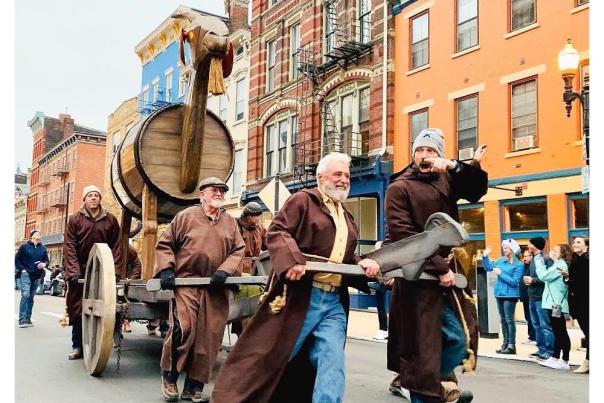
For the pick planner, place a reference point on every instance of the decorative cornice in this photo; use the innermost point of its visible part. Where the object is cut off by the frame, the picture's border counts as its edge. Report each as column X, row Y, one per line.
column 74, row 138
column 283, row 103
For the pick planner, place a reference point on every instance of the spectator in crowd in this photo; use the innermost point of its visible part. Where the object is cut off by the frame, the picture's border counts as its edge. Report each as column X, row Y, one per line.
column 508, row 270
column 31, row 260
column 539, row 318
column 577, row 280
column 527, row 257
column 555, row 302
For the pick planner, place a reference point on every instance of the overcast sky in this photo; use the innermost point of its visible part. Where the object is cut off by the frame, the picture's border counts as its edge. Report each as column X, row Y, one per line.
column 78, row 56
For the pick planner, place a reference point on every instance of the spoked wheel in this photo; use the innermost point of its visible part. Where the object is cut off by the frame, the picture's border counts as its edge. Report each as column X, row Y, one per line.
column 98, row 309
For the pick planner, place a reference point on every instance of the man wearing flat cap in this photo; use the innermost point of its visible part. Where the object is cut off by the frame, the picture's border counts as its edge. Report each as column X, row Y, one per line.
column 92, row 224
column 201, row 241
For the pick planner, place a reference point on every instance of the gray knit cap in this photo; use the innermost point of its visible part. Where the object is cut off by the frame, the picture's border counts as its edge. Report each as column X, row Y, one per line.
column 430, row 137
column 252, row 208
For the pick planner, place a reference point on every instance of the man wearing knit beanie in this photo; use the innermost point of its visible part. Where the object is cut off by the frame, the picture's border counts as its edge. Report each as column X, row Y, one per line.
column 92, row 224
column 539, row 317
column 430, row 184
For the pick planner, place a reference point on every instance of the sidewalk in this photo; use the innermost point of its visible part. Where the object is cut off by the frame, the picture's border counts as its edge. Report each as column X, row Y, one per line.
column 363, row 325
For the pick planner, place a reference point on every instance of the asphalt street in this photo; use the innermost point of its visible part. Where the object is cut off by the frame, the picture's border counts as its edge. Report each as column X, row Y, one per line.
column 43, row 372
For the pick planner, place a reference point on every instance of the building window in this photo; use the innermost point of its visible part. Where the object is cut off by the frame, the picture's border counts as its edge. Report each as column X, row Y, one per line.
column 282, row 154
column 579, row 213
column 365, row 213
column 270, row 59
column 345, row 123
column 419, row 41
column 294, row 139
column 529, row 216
column 240, row 99
column 467, row 24
column 364, row 21
column 418, row 121
column 330, row 31
column 145, row 96
column 155, row 89
column 467, row 126
column 237, row 176
column 294, row 37
column 581, row 2
column 169, row 86
column 116, row 139
column 524, row 115
column 223, row 106
column 182, row 85
column 522, row 13
column 472, row 219
column 270, row 150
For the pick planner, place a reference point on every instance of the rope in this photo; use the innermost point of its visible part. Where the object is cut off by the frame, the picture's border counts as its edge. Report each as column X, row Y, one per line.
column 216, row 80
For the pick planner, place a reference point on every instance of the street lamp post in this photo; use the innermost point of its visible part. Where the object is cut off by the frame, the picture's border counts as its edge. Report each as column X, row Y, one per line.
column 568, row 62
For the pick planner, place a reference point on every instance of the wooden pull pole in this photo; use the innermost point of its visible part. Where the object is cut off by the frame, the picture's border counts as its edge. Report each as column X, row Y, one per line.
column 149, row 232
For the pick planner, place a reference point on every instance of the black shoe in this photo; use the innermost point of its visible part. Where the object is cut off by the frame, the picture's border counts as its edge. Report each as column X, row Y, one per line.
column 465, row 396
column 535, row 354
column 509, row 350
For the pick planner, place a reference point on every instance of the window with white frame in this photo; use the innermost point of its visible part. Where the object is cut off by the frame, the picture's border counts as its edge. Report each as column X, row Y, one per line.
column 419, row 41
column 522, row 13
column 467, row 126
column 182, row 85
column 349, row 109
column 240, row 92
column 524, row 114
column 281, row 137
column 467, row 24
column 223, row 107
column 116, row 139
column 235, row 181
column 418, row 121
column 169, row 85
column 155, row 89
column 364, row 21
column 270, row 63
column 294, row 38
column 330, row 32
column 145, row 96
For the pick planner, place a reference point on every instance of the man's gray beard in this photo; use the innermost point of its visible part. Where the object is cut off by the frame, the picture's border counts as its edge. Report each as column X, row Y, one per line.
column 334, row 193
column 216, row 203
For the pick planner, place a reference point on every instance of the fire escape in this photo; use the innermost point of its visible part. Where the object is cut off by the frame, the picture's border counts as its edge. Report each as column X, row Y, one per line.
column 344, row 41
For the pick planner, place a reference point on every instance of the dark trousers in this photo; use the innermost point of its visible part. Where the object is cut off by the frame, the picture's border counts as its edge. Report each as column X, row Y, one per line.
column 561, row 339
column 583, row 320
column 527, row 317
column 76, row 333
column 380, row 294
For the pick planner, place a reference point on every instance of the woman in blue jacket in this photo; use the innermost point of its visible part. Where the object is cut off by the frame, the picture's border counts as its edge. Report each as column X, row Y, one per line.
column 508, row 269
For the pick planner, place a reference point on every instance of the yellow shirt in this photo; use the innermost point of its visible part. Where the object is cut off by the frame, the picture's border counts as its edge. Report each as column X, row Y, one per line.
column 339, row 245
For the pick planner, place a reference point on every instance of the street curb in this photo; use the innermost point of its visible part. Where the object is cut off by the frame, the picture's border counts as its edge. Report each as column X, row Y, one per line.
column 487, row 355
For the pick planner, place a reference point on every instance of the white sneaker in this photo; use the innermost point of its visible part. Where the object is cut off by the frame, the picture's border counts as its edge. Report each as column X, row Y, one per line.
column 551, row 362
column 562, row 365
column 381, row 335
column 529, row 341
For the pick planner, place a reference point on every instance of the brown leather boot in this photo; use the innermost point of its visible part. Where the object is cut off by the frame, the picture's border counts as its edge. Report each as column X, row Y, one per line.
column 169, row 390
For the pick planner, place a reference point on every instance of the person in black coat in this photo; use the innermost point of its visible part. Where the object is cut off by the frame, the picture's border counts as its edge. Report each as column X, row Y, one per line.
column 577, row 280
column 527, row 257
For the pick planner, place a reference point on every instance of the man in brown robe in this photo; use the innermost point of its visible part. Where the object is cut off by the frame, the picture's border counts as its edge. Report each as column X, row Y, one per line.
column 201, row 241
column 293, row 350
column 428, row 337
column 92, row 224
column 254, row 236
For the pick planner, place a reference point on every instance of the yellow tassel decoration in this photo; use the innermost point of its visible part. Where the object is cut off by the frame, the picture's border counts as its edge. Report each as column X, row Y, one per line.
column 216, row 80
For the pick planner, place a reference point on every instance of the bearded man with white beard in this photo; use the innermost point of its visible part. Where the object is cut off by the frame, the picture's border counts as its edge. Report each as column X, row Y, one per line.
column 201, row 241
column 296, row 354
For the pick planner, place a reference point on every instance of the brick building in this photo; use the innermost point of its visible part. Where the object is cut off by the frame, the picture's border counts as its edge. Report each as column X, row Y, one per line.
column 318, row 84
column 21, row 192
column 486, row 73
column 66, row 157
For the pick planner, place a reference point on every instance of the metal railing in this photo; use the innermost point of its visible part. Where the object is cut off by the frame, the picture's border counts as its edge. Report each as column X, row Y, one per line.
column 148, row 102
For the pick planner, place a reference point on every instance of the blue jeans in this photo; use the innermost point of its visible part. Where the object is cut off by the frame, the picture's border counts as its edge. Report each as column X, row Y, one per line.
column 543, row 329
column 28, row 289
column 453, row 346
column 506, row 308
column 326, row 321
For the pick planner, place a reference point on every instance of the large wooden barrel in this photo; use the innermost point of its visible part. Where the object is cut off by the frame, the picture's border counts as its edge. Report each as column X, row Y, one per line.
column 150, row 154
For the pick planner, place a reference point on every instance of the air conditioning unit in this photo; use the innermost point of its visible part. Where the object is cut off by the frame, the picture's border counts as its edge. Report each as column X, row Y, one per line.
column 466, row 154
column 522, row 143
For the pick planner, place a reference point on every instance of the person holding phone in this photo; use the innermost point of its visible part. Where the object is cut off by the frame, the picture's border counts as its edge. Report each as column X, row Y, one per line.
column 508, row 270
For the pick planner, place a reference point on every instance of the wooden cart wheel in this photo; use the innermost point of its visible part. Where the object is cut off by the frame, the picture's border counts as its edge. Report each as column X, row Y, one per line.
column 98, row 309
